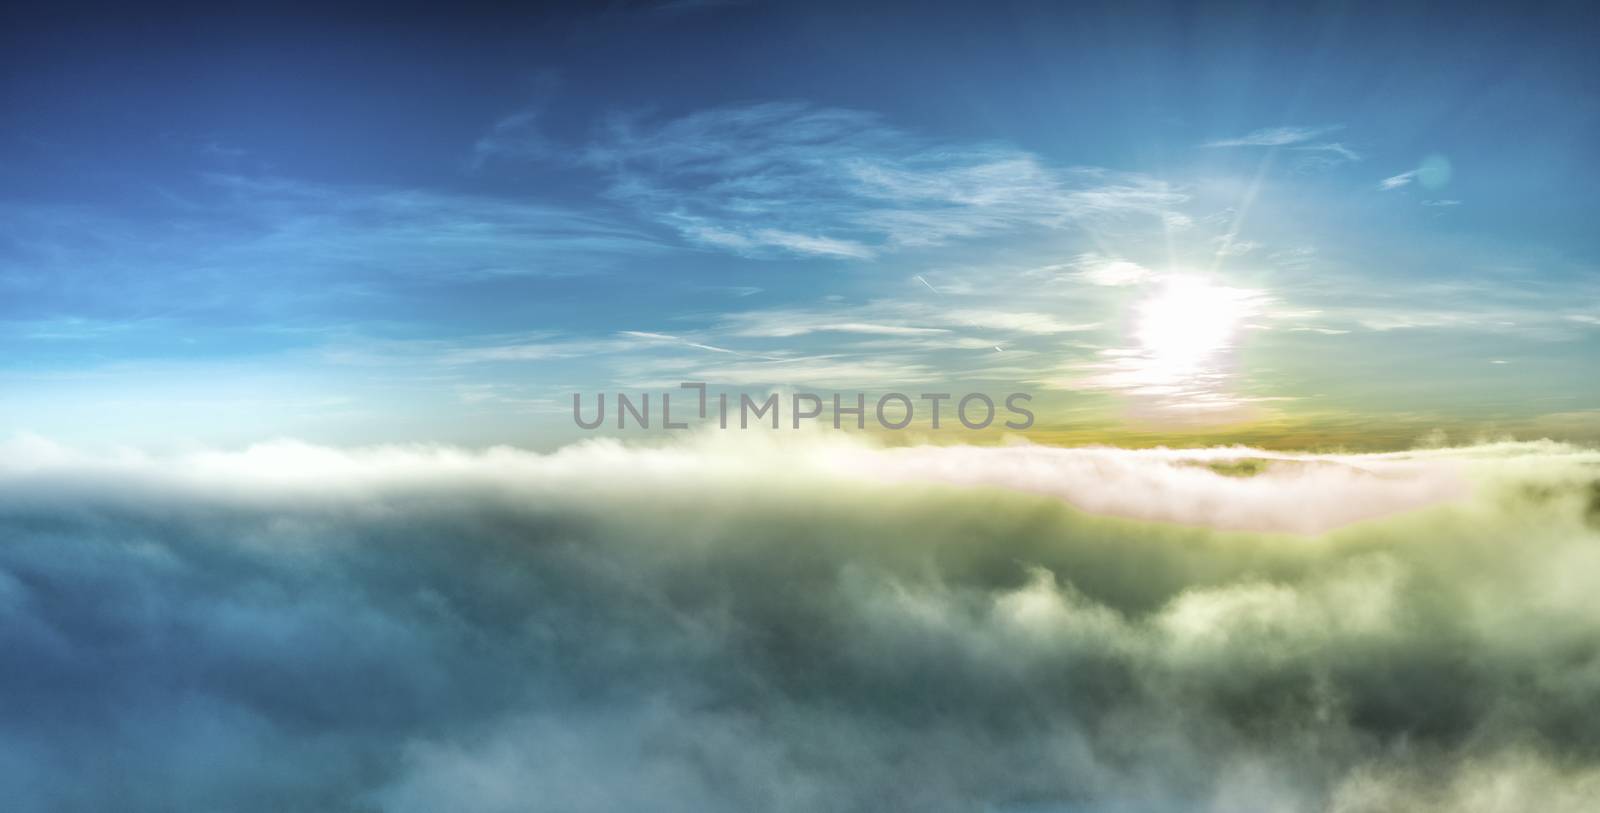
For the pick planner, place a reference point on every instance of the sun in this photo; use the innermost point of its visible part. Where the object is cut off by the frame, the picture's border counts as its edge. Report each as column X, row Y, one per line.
column 1189, row 320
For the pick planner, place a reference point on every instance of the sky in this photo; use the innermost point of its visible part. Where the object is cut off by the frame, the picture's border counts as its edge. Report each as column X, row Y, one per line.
column 1349, row 225
column 295, row 515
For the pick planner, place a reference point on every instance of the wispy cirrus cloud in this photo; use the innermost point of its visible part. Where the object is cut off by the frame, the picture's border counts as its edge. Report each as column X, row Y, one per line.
column 1315, row 154
column 250, row 266
column 1275, row 136
column 754, row 241
column 519, row 136
column 1397, row 181
column 1316, row 157
column 260, row 242
column 860, row 372
column 431, row 234
column 791, row 179
column 1096, row 269
column 516, row 136
column 890, row 318
column 529, row 347
column 1336, row 148
column 1020, row 321
column 800, row 322
column 673, row 340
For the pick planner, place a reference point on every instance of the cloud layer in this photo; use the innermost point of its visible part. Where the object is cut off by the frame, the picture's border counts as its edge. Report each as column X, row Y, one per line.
column 791, row 179
column 806, row 625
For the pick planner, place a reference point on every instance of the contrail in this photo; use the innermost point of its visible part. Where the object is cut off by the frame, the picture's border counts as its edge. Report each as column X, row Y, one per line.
column 936, row 291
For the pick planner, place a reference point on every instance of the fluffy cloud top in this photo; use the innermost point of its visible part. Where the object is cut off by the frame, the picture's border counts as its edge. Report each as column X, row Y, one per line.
column 807, row 625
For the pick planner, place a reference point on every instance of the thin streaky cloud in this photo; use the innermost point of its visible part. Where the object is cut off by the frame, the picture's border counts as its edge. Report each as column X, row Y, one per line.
column 1042, row 324
column 667, row 338
column 788, row 179
column 1397, row 181
column 515, row 136
column 778, row 324
column 1334, row 147
column 1274, row 136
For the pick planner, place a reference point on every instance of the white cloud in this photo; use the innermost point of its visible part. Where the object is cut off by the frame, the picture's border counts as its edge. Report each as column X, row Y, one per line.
column 1228, row 245
column 810, row 244
column 1324, row 156
column 678, row 340
column 1176, row 220
column 792, row 179
column 826, row 373
column 762, row 620
column 889, row 318
column 787, row 322
column 1107, row 271
column 1295, row 493
column 1397, row 181
column 1336, row 148
column 1019, row 321
column 1276, row 137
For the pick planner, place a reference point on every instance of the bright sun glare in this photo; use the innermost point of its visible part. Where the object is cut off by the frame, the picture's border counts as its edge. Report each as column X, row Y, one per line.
column 1188, row 320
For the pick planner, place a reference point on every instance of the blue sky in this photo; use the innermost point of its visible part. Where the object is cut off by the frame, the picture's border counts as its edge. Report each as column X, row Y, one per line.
column 354, row 228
